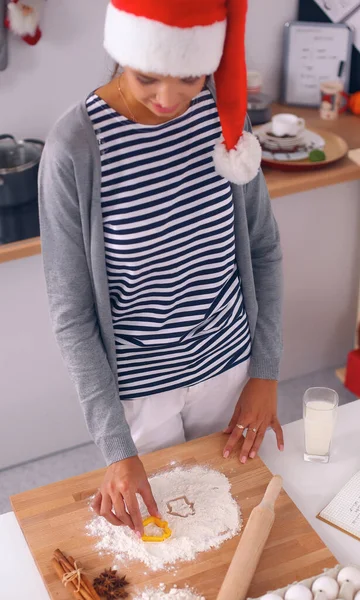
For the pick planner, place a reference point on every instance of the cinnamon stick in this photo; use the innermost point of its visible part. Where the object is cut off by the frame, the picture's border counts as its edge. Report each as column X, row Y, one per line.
column 89, row 594
column 86, row 581
column 59, row 570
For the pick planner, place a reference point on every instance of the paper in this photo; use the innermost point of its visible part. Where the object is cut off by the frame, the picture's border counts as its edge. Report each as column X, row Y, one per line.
column 354, row 155
column 315, row 56
column 338, row 10
column 344, row 510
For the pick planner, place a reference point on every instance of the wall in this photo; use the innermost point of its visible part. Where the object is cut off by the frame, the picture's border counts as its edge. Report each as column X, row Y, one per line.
column 42, row 82
column 264, row 38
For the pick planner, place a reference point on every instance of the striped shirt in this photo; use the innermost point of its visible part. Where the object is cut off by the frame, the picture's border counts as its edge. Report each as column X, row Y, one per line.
column 175, row 291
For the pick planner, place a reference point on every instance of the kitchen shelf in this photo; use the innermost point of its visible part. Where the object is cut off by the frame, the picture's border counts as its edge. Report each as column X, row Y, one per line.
column 279, row 183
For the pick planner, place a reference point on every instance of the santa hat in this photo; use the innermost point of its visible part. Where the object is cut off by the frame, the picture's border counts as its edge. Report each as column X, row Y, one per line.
column 189, row 38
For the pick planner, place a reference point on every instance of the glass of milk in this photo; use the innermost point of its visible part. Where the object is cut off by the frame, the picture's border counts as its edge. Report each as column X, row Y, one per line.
column 320, row 408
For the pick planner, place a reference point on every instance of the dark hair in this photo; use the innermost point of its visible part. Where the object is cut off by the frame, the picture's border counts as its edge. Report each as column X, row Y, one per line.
column 117, row 68
column 115, row 71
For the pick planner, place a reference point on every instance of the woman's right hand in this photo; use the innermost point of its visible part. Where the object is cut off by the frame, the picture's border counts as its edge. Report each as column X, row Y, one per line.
column 116, row 499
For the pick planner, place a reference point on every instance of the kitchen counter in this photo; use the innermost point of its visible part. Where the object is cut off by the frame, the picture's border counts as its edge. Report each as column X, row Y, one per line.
column 279, row 183
column 303, row 489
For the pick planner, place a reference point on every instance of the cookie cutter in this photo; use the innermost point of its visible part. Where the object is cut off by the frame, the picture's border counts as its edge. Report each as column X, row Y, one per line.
column 170, row 510
column 159, row 523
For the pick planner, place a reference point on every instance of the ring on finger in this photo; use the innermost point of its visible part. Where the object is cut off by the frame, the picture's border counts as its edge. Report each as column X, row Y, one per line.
column 240, row 426
column 254, row 430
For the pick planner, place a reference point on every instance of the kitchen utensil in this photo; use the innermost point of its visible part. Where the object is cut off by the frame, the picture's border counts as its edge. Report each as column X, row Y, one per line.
column 19, row 165
column 287, row 124
column 259, row 108
column 164, row 525
column 305, row 142
column 57, row 514
column 258, row 104
column 334, row 100
column 335, row 149
column 3, row 37
column 297, row 159
column 252, row 542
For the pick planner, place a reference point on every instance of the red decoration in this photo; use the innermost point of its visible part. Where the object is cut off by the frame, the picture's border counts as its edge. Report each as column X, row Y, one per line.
column 352, row 380
column 23, row 20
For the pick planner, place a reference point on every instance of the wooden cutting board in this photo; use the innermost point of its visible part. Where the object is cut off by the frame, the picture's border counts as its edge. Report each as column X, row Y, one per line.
column 55, row 516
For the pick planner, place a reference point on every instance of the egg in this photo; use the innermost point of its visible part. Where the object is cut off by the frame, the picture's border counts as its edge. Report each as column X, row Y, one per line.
column 347, row 591
column 327, row 585
column 298, row 592
column 357, row 597
column 351, row 574
column 271, row 596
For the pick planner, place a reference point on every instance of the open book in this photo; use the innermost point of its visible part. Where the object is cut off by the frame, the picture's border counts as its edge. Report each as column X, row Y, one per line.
column 343, row 512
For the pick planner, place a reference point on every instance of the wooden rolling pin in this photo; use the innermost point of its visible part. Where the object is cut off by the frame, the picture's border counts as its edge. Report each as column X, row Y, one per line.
column 247, row 555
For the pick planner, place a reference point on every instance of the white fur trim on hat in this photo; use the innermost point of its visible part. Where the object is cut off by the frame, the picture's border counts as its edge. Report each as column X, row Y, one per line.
column 241, row 164
column 152, row 47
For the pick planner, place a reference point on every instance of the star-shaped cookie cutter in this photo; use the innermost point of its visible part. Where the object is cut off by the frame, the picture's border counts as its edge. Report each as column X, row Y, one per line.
column 170, row 510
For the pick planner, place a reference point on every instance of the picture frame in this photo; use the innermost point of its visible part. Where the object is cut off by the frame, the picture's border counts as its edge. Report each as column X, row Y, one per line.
column 313, row 53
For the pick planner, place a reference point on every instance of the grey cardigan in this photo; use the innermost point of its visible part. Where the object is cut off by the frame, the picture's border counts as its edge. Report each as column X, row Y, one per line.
column 75, row 272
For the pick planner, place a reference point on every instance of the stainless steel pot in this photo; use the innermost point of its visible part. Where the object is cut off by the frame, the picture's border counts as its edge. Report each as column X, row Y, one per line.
column 19, row 165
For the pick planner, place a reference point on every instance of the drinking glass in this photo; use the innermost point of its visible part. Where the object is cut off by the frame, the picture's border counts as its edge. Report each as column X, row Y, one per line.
column 320, row 409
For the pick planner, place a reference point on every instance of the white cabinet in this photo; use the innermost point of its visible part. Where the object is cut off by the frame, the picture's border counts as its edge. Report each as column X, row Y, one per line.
column 39, row 410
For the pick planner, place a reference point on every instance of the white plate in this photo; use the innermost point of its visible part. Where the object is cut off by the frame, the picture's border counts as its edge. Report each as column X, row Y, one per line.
column 307, row 141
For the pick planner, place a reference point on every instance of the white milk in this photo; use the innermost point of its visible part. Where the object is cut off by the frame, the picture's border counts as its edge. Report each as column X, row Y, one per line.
column 319, row 421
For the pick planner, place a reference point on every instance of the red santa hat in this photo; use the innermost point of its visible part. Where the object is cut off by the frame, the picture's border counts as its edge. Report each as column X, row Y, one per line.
column 189, row 38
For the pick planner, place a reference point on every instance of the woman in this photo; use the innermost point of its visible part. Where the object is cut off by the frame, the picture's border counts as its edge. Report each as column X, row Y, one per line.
column 162, row 256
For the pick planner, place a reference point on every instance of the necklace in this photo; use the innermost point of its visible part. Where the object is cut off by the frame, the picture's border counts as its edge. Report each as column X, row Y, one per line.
column 125, row 102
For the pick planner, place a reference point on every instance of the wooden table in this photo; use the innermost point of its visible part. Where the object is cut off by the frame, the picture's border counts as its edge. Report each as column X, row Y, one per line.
column 56, row 515
column 279, row 183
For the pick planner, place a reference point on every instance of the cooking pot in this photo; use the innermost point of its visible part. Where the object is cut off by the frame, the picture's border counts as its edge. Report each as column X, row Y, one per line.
column 19, row 165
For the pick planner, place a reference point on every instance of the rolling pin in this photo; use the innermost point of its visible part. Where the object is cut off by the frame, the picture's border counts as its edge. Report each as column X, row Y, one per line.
column 247, row 555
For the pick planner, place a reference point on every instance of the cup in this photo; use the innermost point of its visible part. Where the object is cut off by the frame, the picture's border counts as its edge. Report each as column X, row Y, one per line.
column 320, row 409
column 287, row 124
column 254, row 82
column 334, row 100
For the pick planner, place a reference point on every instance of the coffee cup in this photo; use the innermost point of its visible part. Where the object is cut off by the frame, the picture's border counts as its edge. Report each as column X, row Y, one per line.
column 287, row 124
column 333, row 100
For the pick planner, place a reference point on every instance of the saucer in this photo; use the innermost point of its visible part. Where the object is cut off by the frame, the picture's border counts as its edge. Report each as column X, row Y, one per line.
column 290, row 148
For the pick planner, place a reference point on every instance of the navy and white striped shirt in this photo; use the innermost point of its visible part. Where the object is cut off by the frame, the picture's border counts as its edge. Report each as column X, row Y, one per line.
column 175, row 292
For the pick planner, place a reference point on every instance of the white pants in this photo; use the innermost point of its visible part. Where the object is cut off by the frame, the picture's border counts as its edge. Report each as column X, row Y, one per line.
column 183, row 414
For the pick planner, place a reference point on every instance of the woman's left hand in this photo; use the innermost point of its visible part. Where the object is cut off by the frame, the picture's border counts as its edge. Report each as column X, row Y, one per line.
column 255, row 411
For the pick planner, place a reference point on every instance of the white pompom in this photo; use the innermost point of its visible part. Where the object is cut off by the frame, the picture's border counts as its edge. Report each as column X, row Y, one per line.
column 241, row 164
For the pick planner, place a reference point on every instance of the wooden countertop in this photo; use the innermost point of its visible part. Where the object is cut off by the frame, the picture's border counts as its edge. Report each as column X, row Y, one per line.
column 279, row 183
column 56, row 516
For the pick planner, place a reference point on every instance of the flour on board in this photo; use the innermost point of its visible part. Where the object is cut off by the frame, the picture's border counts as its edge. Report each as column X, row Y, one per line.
column 200, row 510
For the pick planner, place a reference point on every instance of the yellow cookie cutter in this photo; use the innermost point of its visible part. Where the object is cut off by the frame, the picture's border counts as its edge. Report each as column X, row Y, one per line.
column 162, row 525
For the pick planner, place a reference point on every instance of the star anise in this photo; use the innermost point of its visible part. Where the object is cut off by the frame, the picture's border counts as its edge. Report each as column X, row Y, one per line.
column 110, row 586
